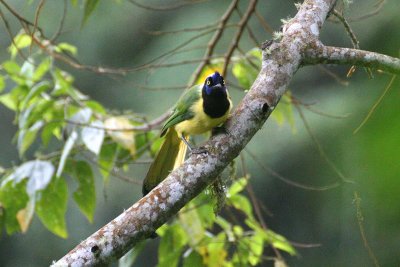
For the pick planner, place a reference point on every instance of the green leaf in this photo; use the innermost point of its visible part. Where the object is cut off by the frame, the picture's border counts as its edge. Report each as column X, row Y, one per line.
column 205, row 209
column 2, row 83
column 13, row 198
column 142, row 141
column 63, row 82
column 46, row 110
column 92, row 136
column 66, row 150
column 66, row 47
column 13, row 70
column 42, row 69
column 107, row 157
column 130, row 257
column 27, row 136
column 20, row 41
column 256, row 248
column 191, row 223
column 9, row 101
column 23, row 117
column 14, row 97
column 124, row 138
column 245, row 69
column 2, row 218
column 95, row 106
column 38, row 173
column 241, row 203
column 81, row 117
column 85, row 195
column 171, row 245
column 194, row 259
column 36, row 90
column 11, row 67
column 90, row 6
column 284, row 112
column 25, row 215
column 50, row 130
column 214, row 254
column 280, row 242
column 52, row 205
column 226, row 226
column 27, row 71
column 237, row 186
column 271, row 237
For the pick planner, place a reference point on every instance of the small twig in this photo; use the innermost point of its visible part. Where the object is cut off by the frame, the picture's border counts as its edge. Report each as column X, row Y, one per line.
column 372, row 110
column 213, row 42
column 166, row 8
column 316, row 111
column 235, row 42
column 105, row 70
column 263, row 22
column 342, row 19
column 360, row 219
column 290, row 182
column 249, row 30
column 36, row 20
column 183, row 44
column 19, row 17
column 256, row 206
column 159, row 88
column 251, row 63
column 353, row 38
column 61, row 25
column 345, row 56
column 112, row 171
column 303, row 245
column 319, row 146
column 212, row 26
column 378, row 7
column 8, row 29
column 333, row 75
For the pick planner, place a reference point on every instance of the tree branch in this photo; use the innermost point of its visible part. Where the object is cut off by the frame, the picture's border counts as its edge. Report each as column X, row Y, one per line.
column 242, row 25
column 344, row 56
column 213, row 42
column 280, row 62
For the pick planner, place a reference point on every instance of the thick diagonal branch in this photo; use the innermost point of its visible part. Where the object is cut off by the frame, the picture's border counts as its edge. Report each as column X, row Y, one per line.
column 280, row 62
column 321, row 54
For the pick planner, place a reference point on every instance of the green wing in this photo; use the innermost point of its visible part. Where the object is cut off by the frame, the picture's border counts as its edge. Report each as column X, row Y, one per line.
column 182, row 111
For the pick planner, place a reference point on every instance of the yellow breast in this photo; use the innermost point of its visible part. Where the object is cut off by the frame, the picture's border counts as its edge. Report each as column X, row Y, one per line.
column 201, row 122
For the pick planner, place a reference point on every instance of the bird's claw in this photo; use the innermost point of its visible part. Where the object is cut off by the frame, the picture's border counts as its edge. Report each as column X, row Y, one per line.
column 219, row 130
column 198, row 150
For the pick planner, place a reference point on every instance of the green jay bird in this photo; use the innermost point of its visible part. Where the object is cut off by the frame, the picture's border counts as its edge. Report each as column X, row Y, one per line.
column 200, row 109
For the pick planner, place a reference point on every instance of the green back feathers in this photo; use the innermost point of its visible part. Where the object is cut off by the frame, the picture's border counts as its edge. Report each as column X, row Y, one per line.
column 173, row 150
column 181, row 111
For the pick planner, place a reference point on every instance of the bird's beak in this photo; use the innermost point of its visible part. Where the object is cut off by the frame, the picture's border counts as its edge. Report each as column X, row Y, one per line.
column 218, row 85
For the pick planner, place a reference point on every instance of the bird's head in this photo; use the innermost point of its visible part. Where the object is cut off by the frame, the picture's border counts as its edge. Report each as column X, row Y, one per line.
column 214, row 82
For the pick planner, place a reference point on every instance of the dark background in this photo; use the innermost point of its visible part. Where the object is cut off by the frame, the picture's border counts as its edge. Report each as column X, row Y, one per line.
column 116, row 35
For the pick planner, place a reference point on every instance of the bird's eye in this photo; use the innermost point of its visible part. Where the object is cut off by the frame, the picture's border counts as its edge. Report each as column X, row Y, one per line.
column 208, row 82
column 222, row 81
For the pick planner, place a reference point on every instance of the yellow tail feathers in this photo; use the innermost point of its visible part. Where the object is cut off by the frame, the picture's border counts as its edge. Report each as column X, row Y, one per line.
column 170, row 156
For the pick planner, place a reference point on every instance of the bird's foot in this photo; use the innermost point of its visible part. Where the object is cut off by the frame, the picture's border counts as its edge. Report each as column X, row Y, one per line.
column 220, row 130
column 198, row 150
